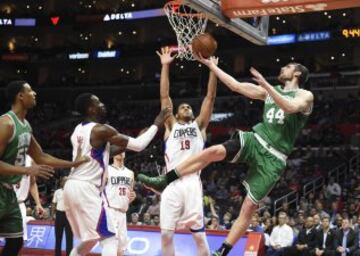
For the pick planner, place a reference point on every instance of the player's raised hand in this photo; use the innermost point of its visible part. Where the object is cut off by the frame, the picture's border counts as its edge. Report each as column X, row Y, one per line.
column 207, row 62
column 165, row 56
column 43, row 171
column 258, row 77
column 214, row 60
column 164, row 114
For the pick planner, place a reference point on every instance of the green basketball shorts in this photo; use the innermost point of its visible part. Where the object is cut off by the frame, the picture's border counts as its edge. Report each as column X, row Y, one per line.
column 10, row 215
column 265, row 163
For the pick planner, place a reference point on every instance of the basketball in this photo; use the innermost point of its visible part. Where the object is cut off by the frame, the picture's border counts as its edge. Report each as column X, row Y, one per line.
column 204, row 44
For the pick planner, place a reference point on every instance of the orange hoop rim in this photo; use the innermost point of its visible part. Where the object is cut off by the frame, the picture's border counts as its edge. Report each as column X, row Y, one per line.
column 174, row 6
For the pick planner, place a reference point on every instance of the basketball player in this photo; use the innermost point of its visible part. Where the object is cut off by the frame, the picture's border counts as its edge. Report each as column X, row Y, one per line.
column 265, row 149
column 119, row 193
column 16, row 140
column 27, row 184
column 181, row 203
column 82, row 192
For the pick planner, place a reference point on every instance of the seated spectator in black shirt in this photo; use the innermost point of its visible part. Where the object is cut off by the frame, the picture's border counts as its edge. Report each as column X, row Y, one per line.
column 306, row 240
column 347, row 240
column 325, row 239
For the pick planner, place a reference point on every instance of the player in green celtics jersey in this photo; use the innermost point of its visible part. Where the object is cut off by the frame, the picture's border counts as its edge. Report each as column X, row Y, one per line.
column 264, row 149
column 17, row 140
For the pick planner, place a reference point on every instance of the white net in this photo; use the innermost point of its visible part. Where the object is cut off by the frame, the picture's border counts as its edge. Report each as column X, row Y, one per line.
column 187, row 23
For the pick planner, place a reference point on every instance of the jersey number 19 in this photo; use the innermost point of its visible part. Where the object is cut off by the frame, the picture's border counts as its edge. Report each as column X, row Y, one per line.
column 185, row 145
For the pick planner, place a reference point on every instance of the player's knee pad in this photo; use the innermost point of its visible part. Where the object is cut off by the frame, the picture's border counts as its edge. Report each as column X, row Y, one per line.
column 109, row 246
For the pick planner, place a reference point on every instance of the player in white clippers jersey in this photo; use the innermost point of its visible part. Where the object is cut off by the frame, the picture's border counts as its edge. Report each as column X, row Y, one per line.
column 82, row 192
column 182, row 202
column 27, row 184
column 119, row 194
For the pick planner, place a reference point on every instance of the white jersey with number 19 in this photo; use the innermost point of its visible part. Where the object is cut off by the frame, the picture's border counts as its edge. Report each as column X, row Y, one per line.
column 181, row 202
column 184, row 141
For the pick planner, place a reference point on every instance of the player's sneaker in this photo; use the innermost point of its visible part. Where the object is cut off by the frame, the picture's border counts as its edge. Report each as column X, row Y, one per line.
column 158, row 183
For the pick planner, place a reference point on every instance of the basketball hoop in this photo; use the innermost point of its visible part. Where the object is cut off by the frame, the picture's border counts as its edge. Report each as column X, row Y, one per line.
column 187, row 23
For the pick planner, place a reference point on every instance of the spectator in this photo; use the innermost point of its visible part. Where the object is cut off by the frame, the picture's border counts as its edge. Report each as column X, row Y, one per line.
column 147, row 219
column 154, row 208
column 338, row 223
column 305, row 242
column 255, row 224
column 325, row 239
column 317, row 221
column 292, row 224
column 333, row 189
column 357, row 251
column 334, row 210
column 61, row 222
column 281, row 236
column 357, row 225
column 156, row 220
column 300, row 220
column 267, row 226
column 135, row 219
column 320, row 209
column 214, row 223
column 227, row 220
column 347, row 242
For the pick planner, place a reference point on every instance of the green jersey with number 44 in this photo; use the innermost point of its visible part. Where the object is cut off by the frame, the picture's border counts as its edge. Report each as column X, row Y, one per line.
column 278, row 128
column 17, row 147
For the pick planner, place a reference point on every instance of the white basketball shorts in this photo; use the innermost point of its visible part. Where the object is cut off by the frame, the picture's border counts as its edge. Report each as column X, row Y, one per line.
column 85, row 212
column 181, row 205
column 119, row 221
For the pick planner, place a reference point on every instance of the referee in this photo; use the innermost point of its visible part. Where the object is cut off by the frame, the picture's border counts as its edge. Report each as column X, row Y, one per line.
column 61, row 221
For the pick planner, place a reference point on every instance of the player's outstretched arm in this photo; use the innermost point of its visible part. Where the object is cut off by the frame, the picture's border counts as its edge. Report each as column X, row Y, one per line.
column 34, row 191
column 166, row 59
column 301, row 103
column 249, row 90
column 106, row 133
column 40, row 157
column 207, row 106
column 132, row 195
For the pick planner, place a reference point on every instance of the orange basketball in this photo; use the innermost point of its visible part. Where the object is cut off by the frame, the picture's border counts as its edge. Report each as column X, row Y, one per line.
column 204, row 44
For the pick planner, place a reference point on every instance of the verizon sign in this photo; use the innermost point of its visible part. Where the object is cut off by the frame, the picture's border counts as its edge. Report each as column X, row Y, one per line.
column 253, row 8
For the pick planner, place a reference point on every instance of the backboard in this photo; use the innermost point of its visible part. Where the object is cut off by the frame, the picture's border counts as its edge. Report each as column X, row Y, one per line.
column 256, row 33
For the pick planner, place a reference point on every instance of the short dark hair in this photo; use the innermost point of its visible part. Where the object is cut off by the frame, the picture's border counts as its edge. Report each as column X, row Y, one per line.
column 83, row 102
column 13, row 88
column 182, row 103
column 304, row 73
column 325, row 218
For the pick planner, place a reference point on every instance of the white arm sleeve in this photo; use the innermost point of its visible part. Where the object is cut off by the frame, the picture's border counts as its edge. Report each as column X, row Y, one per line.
column 141, row 142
